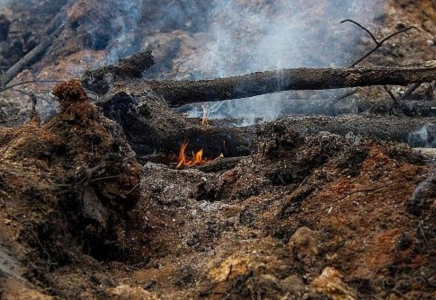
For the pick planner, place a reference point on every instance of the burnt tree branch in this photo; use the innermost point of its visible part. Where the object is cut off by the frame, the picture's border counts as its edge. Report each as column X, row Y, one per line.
column 52, row 31
column 178, row 93
column 101, row 80
column 378, row 43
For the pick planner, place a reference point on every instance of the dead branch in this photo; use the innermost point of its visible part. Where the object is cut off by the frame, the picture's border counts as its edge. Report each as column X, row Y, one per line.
column 179, row 93
column 410, row 90
column 52, row 31
column 220, row 164
column 9, row 87
column 101, row 80
column 30, row 57
column 332, row 107
column 377, row 42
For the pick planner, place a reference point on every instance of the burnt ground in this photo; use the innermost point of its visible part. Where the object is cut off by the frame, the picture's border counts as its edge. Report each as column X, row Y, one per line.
column 304, row 216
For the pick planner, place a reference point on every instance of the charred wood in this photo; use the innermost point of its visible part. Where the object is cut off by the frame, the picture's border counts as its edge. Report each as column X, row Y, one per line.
column 400, row 129
column 53, row 30
column 178, row 93
column 101, row 80
column 151, row 127
column 143, row 107
column 220, row 164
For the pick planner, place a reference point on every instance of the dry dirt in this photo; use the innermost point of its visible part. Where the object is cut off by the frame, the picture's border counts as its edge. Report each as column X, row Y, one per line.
column 304, row 216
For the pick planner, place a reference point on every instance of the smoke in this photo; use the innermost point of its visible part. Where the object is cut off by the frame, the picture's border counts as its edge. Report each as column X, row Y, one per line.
column 106, row 25
column 251, row 36
column 424, row 137
column 200, row 39
column 126, row 19
column 263, row 35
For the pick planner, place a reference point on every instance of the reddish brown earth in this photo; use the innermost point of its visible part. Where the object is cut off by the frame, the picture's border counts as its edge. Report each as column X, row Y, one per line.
column 317, row 216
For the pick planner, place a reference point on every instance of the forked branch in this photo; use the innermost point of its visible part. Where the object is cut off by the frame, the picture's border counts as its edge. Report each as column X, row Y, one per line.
column 377, row 42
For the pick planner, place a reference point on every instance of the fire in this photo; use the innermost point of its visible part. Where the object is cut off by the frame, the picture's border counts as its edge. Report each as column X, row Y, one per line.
column 204, row 119
column 184, row 161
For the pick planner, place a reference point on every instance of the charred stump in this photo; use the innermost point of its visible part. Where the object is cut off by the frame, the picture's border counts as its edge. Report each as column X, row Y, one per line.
column 150, row 125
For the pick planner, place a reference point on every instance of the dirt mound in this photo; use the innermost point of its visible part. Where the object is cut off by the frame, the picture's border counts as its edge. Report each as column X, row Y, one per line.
column 66, row 184
column 304, row 216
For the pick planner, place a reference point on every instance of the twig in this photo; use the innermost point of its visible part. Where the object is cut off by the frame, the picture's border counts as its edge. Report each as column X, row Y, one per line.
column 27, row 82
column 88, row 173
column 33, row 94
column 398, row 293
column 229, row 273
column 105, row 178
column 363, row 28
column 134, row 188
column 392, row 96
column 349, row 194
column 377, row 42
column 362, row 191
column 346, row 95
column 421, row 229
column 396, row 102
column 409, row 92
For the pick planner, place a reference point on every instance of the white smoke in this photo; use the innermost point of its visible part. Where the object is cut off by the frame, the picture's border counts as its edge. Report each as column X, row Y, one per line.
column 216, row 38
column 424, row 137
column 245, row 37
column 126, row 16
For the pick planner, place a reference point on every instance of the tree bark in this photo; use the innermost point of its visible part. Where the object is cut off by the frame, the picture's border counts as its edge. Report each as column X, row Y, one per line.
column 178, row 93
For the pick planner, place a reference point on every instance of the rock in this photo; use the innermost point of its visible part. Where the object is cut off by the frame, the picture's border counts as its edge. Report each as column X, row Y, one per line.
column 304, row 244
column 125, row 292
column 294, row 284
column 13, row 289
column 330, row 283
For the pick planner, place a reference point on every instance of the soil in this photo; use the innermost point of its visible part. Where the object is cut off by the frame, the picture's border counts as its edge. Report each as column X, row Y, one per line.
column 305, row 214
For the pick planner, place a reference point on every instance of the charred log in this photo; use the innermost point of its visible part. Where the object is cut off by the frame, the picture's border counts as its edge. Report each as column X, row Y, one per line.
column 220, row 164
column 101, row 80
column 335, row 107
column 178, row 93
column 414, row 131
column 151, row 126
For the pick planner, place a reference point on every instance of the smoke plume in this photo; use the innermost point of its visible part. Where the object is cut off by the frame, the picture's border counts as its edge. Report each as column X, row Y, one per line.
column 201, row 39
column 250, row 36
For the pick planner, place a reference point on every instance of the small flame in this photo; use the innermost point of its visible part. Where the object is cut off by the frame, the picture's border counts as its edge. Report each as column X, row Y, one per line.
column 204, row 119
column 184, row 161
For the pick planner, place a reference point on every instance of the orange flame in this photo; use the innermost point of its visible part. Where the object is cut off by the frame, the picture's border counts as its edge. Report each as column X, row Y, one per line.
column 204, row 119
column 184, row 161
